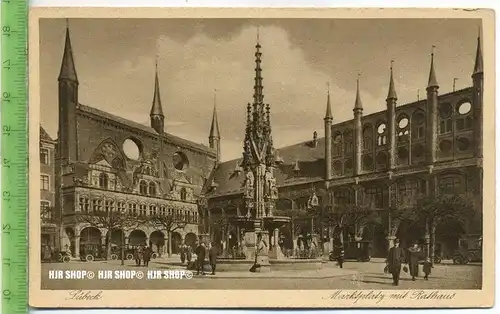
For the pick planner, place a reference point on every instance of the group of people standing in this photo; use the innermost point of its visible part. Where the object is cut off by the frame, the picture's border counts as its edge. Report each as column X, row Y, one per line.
column 414, row 256
column 142, row 254
column 202, row 252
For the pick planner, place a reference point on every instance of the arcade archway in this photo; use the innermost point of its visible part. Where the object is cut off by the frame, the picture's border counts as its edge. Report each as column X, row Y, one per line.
column 137, row 237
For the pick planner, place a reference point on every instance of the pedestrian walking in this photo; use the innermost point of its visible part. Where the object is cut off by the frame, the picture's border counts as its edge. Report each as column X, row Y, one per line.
column 200, row 255
column 394, row 260
column 189, row 253
column 146, row 256
column 183, row 254
column 414, row 256
column 427, row 268
column 138, row 255
column 212, row 257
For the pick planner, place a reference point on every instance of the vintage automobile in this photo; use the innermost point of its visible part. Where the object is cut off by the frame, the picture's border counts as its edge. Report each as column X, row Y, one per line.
column 353, row 250
column 470, row 249
column 92, row 252
column 116, row 252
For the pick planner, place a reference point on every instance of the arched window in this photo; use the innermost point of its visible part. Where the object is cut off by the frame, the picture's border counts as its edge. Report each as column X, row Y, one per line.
column 143, row 187
column 418, row 125
column 375, row 196
column 451, row 184
column 103, row 180
column 337, row 167
column 152, row 188
column 348, row 142
column 342, row 197
column 368, row 137
column 381, row 134
column 337, row 144
column 464, row 117
column 183, row 194
column 445, row 118
column 407, row 193
column 403, row 128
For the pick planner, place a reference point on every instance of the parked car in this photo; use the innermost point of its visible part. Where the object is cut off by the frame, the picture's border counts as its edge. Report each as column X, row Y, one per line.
column 470, row 249
column 92, row 252
column 353, row 250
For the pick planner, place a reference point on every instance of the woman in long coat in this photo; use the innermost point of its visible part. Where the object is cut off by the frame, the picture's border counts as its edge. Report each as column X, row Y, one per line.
column 414, row 256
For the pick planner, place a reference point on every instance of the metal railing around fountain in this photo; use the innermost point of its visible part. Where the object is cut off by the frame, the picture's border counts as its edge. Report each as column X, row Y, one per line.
column 234, row 253
column 298, row 253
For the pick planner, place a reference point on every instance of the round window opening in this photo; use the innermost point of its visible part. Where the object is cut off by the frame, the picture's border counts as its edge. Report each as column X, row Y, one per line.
column 180, row 161
column 464, row 108
column 463, row 143
column 445, row 110
column 403, row 123
column 381, row 128
column 131, row 149
column 445, row 146
column 419, row 118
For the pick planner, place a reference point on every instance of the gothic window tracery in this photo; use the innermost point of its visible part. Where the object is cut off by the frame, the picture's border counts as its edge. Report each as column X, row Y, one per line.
column 418, row 125
column 445, row 118
column 367, row 137
column 450, row 184
column 337, row 144
column 408, row 193
column 342, row 197
column 381, row 134
column 464, row 116
column 403, row 128
column 348, row 144
column 375, row 196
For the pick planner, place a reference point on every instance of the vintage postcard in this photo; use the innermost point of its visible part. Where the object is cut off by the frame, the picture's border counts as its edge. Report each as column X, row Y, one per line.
column 261, row 157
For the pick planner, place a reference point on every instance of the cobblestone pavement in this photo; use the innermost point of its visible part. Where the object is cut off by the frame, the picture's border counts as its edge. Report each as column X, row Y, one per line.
column 354, row 275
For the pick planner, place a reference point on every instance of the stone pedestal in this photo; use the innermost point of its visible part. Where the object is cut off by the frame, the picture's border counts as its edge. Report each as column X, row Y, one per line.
column 327, row 247
column 275, row 251
column 262, row 259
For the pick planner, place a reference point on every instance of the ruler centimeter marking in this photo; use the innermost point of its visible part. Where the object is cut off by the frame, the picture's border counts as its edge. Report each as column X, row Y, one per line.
column 14, row 156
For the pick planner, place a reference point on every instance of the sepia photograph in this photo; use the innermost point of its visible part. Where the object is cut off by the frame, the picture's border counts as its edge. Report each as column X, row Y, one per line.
column 262, row 154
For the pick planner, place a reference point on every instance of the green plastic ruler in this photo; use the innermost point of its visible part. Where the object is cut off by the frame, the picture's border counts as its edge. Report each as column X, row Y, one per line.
column 14, row 156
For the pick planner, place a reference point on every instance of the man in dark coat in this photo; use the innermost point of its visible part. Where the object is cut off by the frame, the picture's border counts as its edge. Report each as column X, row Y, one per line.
column 200, row 253
column 414, row 256
column 146, row 256
column 212, row 257
column 394, row 260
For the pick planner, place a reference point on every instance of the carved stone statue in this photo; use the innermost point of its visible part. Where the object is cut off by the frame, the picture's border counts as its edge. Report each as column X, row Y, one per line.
column 249, row 184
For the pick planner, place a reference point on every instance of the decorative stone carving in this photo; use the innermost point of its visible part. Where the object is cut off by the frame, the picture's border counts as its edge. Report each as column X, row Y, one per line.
column 249, row 184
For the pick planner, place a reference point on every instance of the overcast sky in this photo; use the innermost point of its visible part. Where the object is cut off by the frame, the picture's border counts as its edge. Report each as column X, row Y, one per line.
column 115, row 61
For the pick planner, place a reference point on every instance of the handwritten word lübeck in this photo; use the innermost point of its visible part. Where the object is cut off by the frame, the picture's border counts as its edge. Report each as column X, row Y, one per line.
column 379, row 296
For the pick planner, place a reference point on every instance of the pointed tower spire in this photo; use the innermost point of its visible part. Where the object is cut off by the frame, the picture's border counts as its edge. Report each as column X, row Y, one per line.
column 214, row 137
column 156, row 108
column 68, row 71
column 392, row 90
column 214, row 128
column 358, row 104
column 328, row 114
column 478, row 65
column 258, row 95
column 432, row 74
column 156, row 114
